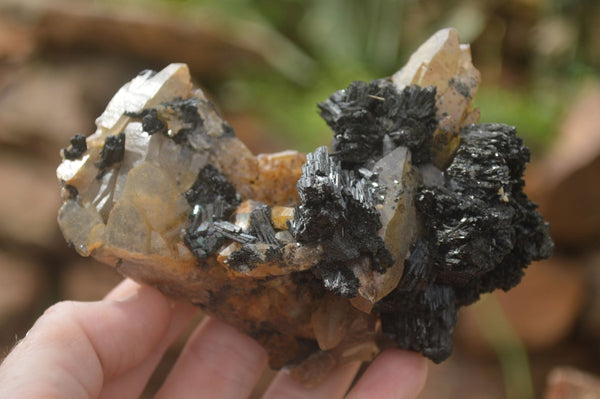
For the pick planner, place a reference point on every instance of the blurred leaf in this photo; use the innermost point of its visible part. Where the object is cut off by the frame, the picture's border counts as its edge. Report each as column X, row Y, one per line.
column 362, row 33
column 535, row 114
column 469, row 19
column 511, row 352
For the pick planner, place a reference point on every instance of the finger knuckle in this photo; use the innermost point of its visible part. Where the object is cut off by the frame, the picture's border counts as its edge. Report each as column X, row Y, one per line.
column 61, row 309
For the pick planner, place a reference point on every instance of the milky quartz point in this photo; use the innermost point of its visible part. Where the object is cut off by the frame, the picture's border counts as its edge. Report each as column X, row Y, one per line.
column 399, row 182
column 319, row 257
column 442, row 61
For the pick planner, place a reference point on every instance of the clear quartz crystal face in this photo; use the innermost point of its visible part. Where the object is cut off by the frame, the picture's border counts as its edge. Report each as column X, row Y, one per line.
column 320, row 257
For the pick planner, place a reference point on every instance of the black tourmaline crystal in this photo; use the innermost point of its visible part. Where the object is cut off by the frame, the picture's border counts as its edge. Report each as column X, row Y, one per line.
column 112, row 151
column 338, row 211
column 213, row 199
column 369, row 119
column 78, row 147
column 479, row 231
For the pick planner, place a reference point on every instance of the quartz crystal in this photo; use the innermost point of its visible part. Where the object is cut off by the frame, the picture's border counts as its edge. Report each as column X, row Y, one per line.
column 323, row 258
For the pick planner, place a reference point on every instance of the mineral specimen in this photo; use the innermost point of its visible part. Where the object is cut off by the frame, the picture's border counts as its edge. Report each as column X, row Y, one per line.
column 414, row 212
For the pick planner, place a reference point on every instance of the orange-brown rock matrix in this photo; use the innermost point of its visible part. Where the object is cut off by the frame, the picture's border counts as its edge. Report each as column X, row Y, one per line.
column 414, row 211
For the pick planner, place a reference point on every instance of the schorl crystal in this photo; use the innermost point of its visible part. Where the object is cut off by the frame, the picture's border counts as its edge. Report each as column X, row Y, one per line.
column 338, row 211
column 176, row 119
column 261, row 226
column 213, row 198
column 369, row 119
column 113, row 150
column 78, row 147
column 475, row 240
column 210, row 186
column 187, row 111
column 152, row 123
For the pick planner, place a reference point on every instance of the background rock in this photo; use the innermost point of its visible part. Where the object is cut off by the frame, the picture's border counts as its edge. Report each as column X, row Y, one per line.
column 568, row 383
column 542, row 310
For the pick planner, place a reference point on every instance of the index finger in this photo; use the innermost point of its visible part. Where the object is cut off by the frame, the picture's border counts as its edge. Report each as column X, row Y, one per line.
column 75, row 347
column 395, row 373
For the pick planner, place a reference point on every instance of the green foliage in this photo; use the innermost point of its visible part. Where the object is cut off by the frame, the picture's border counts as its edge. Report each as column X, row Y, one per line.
column 288, row 108
column 504, row 340
column 536, row 114
column 314, row 47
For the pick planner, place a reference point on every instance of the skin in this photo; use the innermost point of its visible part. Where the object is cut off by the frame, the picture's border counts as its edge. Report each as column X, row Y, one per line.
column 109, row 349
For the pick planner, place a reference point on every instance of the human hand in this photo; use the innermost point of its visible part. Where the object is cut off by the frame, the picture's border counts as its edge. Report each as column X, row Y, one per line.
column 110, row 348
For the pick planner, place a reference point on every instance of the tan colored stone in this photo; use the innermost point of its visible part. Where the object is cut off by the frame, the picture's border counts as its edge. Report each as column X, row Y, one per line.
column 280, row 215
column 446, row 64
column 82, row 226
column 278, row 175
column 314, row 369
column 243, row 265
column 330, row 321
column 133, row 214
column 570, row 383
column 399, row 220
column 294, row 257
column 446, row 140
column 359, row 343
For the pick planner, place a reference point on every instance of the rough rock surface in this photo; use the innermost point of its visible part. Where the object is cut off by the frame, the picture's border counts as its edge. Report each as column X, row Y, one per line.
column 414, row 212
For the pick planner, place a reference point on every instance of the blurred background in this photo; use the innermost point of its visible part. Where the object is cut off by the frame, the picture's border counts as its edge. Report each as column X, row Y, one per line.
column 266, row 63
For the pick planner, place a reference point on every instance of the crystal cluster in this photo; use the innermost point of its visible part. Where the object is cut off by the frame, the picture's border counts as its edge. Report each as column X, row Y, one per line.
column 414, row 212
